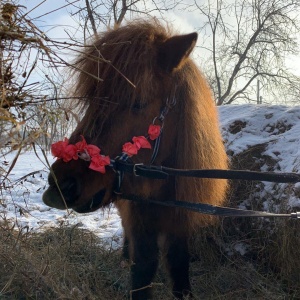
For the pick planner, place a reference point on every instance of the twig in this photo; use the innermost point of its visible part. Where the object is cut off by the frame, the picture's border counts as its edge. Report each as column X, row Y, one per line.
column 145, row 287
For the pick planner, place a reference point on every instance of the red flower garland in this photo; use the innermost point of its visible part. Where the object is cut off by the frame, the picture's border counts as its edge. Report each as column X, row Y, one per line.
column 88, row 152
column 65, row 151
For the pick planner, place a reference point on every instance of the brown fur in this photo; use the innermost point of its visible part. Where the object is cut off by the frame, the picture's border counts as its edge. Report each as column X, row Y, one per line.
column 117, row 73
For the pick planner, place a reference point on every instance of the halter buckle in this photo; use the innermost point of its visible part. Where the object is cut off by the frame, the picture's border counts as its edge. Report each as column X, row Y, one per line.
column 134, row 169
column 295, row 215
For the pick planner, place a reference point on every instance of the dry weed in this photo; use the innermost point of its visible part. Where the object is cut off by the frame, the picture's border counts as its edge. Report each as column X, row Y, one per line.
column 72, row 263
column 62, row 263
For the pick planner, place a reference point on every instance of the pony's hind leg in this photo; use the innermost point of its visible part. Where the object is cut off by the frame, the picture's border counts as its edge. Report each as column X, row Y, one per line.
column 144, row 256
column 178, row 259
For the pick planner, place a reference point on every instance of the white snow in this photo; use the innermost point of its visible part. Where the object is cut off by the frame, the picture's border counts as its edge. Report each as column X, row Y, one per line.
column 262, row 127
column 278, row 126
column 23, row 203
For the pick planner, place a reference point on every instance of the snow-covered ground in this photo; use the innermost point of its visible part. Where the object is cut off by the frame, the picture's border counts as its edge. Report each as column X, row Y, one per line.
column 243, row 126
column 23, row 203
column 275, row 127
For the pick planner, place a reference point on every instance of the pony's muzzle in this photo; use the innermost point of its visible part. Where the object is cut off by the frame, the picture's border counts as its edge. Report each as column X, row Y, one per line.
column 63, row 195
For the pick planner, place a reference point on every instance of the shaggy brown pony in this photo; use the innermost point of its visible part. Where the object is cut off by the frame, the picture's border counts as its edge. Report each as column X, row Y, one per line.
column 124, row 80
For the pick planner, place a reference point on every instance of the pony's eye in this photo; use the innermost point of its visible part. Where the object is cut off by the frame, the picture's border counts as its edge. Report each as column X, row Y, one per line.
column 138, row 106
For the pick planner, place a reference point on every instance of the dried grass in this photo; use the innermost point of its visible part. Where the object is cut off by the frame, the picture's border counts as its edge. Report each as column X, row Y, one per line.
column 61, row 263
column 30, row 67
column 72, row 263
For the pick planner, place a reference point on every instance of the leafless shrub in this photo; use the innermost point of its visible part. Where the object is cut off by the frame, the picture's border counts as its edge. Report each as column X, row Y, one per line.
column 32, row 106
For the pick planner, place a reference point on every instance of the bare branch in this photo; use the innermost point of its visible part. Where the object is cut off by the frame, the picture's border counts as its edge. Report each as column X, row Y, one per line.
column 91, row 17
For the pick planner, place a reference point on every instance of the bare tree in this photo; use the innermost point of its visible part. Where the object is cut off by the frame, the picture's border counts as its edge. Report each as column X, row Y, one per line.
column 250, row 40
column 102, row 14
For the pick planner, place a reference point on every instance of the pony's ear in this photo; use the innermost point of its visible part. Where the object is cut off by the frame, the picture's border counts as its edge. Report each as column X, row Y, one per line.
column 173, row 52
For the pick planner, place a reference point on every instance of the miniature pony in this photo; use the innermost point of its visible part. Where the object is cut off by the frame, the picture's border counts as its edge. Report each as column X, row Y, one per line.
column 127, row 79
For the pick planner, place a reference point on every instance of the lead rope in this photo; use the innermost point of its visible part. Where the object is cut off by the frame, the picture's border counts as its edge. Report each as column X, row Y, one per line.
column 208, row 209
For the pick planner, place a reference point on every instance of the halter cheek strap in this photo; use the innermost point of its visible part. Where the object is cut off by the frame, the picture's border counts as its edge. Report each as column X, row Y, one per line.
column 170, row 103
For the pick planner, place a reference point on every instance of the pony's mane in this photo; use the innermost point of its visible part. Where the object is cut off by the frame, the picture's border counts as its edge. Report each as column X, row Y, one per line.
column 200, row 145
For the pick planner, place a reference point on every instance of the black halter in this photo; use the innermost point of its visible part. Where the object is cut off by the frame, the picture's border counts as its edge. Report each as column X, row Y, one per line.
column 123, row 164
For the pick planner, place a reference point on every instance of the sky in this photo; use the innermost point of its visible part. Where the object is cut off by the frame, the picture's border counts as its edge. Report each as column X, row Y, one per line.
column 53, row 17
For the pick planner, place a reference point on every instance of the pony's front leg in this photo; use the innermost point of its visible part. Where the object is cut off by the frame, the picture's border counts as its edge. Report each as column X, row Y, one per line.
column 178, row 260
column 125, row 250
column 144, row 255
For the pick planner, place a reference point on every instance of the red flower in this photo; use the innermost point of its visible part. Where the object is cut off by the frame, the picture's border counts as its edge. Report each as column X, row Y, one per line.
column 154, row 131
column 81, row 145
column 141, row 142
column 130, row 149
column 92, row 150
column 69, row 153
column 63, row 150
column 89, row 148
column 99, row 162
column 58, row 148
